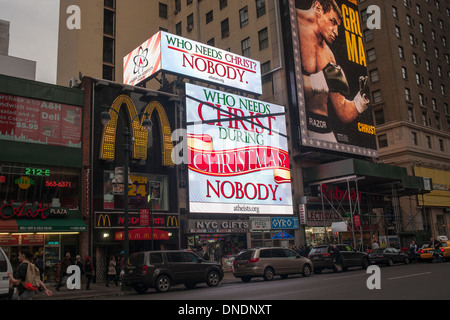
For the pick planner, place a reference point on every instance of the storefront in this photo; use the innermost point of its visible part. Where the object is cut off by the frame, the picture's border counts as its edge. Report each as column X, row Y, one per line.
column 40, row 185
column 152, row 208
column 273, row 231
column 362, row 197
column 223, row 239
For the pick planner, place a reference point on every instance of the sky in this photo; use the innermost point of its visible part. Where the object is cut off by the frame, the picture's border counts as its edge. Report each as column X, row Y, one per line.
column 33, row 33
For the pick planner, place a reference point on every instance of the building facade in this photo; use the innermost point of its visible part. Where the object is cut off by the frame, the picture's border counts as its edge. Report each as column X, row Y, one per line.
column 257, row 29
column 408, row 62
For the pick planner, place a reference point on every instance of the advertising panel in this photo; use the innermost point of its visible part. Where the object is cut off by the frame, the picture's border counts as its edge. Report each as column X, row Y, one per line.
column 440, row 193
column 331, row 77
column 181, row 56
column 238, row 162
column 38, row 121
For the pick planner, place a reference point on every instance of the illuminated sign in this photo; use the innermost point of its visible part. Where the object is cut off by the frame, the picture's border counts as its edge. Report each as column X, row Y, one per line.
column 334, row 103
column 171, row 53
column 24, row 182
column 37, row 172
column 236, row 166
column 38, row 121
column 116, row 220
column 139, row 149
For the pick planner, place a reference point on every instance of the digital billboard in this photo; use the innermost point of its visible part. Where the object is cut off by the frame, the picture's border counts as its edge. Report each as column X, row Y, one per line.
column 181, row 56
column 237, row 154
column 331, row 81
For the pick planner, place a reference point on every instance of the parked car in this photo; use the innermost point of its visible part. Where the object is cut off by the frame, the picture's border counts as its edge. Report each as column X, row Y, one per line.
column 426, row 252
column 388, row 256
column 6, row 288
column 267, row 262
column 162, row 269
column 322, row 258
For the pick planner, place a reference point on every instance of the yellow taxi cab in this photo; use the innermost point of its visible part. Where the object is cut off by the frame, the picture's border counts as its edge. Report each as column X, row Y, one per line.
column 426, row 254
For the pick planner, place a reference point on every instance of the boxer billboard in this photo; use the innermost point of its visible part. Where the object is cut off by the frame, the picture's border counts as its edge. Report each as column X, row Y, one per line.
column 331, row 77
column 181, row 56
column 237, row 154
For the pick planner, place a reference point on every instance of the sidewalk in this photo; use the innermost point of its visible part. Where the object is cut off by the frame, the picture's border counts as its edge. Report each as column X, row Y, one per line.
column 100, row 290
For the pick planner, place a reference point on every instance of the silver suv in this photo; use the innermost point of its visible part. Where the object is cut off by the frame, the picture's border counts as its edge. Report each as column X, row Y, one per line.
column 267, row 262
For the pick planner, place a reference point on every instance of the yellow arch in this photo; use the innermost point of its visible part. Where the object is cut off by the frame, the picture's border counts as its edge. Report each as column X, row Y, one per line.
column 166, row 132
column 139, row 150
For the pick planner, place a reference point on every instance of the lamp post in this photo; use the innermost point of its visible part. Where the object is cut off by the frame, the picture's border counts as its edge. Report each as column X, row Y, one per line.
column 147, row 124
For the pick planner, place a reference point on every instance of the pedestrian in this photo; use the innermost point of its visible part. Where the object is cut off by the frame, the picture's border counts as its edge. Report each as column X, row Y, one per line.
column 79, row 263
column 413, row 251
column 205, row 254
column 435, row 244
column 337, row 259
column 26, row 292
column 89, row 271
column 65, row 263
column 375, row 245
column 112, row 273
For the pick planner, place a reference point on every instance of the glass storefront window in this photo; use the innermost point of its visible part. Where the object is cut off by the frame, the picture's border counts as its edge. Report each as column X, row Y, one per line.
column 141, row 187
column 56, row 186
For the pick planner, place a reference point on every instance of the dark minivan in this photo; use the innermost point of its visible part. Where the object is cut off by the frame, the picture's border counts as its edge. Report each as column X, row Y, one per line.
column 162, row 269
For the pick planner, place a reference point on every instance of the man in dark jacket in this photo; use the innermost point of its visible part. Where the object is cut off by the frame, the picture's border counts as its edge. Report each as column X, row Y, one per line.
column 65, row 263
column 337, row 258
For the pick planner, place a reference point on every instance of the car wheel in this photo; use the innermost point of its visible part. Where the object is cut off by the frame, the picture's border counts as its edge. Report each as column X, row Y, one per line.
column 268, row 274
column 213, row 278
column 140, row 289
column 246, row 279
column 406, row 261
column 306, row 270
column 390, row 262
column 365, row 263
column 317, row 271
column 163, row 283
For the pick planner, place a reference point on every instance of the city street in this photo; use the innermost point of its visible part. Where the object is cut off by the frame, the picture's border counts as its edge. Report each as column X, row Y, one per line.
column 421, row 281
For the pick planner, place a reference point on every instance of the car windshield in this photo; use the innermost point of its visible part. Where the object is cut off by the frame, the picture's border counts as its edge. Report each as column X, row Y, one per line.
column 379, row 250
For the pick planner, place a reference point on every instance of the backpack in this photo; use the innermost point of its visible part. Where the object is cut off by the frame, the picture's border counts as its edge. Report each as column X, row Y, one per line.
column 32, row 278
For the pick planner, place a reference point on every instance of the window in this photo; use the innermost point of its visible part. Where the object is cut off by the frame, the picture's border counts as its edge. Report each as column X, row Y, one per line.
column 209, row 17
column 263, row 37
column 401, row 52
column 266, row 76
column 245, row 47
column 394, row 12
column 373, row 74
column 44, row 185
column 379, row 116
column 243, row 16
column 407, row 94
column 404, row 73
column 376, row 96
column 156, row 258
column 441, row 145
column 260, row 8
column 424, row 118
column 368, row 35
column 428, row 141
column 411, row 115
column 371, row 55
column 382, row 141
column 398, row 33
column 163, row 10
column 225, row 27
column 414, row 138
column 438, row 122
column 190, row 22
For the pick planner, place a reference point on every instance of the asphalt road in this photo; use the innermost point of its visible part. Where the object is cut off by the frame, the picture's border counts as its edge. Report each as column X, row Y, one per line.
column 420, row 281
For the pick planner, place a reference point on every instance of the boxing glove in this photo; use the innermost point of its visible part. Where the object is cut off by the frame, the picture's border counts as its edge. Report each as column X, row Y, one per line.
column 361, row 101
column 330, row 79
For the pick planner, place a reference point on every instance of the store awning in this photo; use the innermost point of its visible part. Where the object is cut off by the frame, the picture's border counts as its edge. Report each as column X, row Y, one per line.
column 51, row 225
column 143, row 234
column 370, row 175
